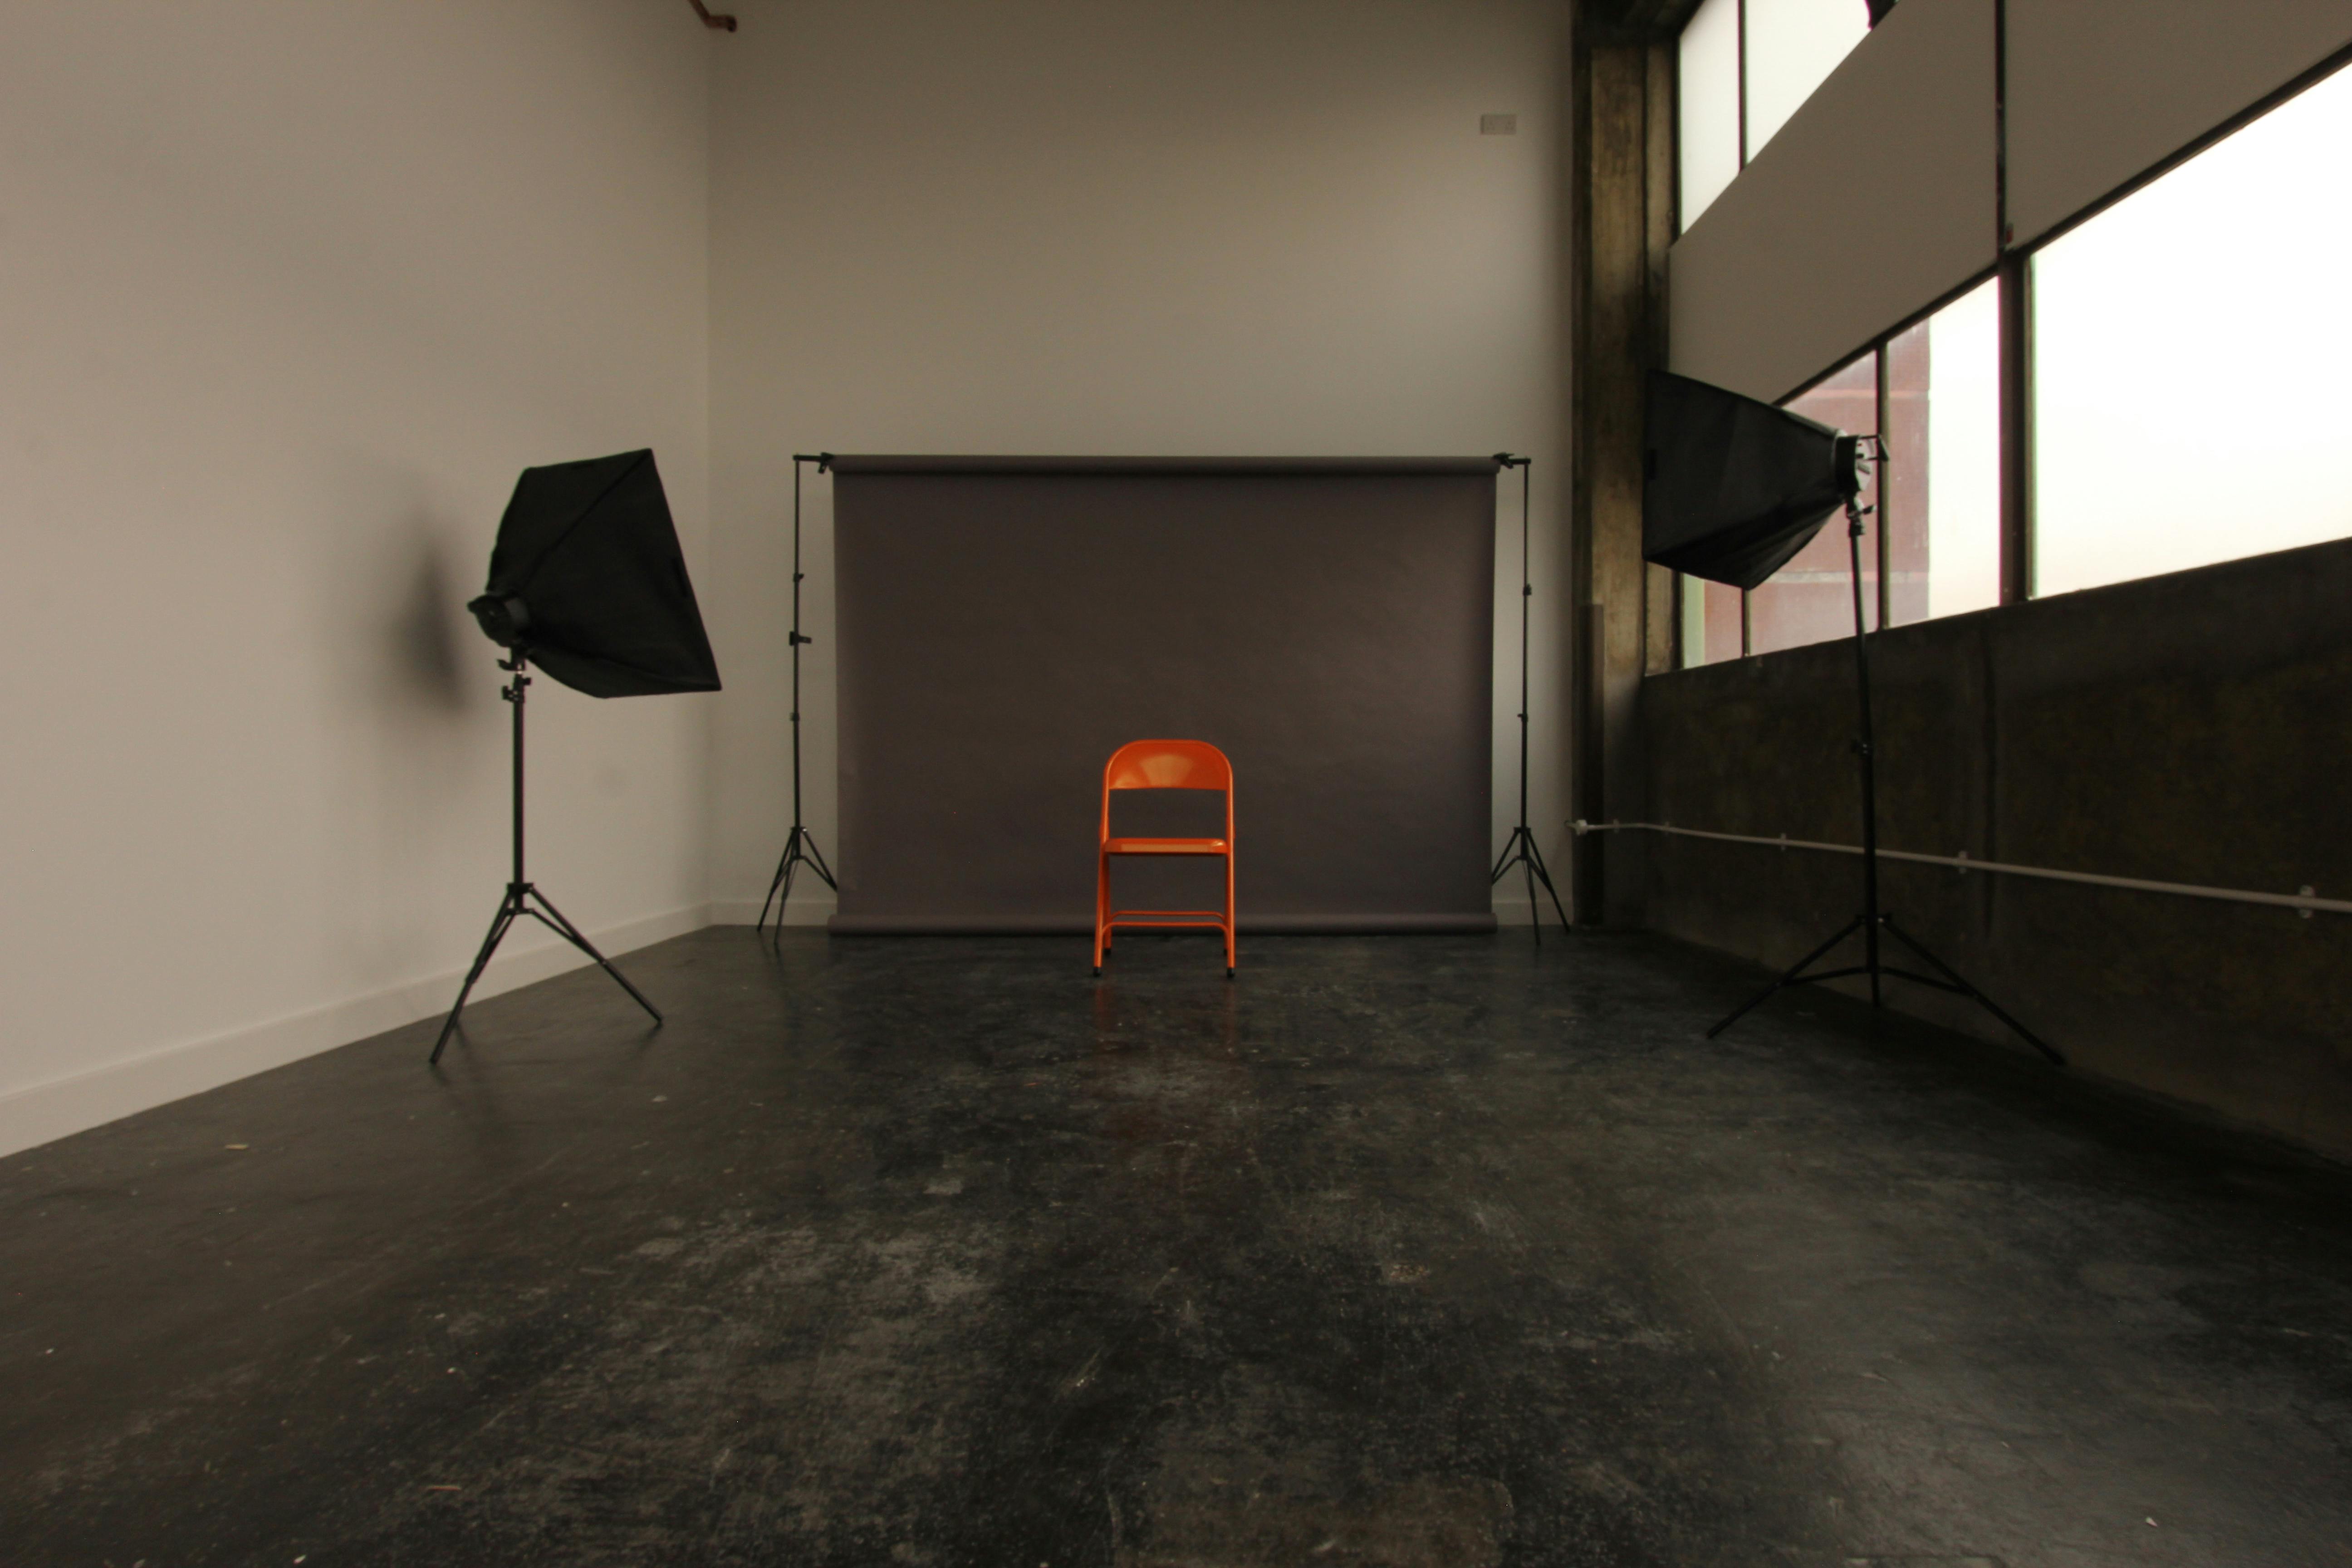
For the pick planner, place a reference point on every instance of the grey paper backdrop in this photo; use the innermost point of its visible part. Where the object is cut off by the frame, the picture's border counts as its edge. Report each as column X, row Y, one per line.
column 1006, row 624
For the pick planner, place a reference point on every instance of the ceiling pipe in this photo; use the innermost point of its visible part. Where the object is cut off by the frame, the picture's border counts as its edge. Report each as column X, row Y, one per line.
column 723, row 23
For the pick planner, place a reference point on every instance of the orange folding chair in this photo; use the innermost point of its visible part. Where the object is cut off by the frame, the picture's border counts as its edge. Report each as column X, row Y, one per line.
column 1165, row 764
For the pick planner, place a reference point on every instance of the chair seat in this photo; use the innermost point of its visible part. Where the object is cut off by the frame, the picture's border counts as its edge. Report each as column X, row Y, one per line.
column 1163, row 846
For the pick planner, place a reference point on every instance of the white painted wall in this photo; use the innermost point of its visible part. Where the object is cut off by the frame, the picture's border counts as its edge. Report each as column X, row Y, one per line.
column 2101, row 90
column 289, row 292
column 1119, row 226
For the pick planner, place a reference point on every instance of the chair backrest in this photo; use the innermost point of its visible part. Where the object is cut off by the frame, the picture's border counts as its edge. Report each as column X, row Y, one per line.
column 1167, row 764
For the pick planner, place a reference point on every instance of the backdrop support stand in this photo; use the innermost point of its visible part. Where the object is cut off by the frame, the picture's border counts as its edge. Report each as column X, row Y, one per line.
column 521, row 897
column 800, row 845
column 1520, row 848
column 1871, row 920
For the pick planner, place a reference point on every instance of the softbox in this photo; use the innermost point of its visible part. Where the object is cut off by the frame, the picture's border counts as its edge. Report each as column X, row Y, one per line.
column 588, row 579
column 1734, row 487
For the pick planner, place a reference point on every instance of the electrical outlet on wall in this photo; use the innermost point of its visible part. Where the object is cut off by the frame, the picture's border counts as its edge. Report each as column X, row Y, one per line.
column 1498, row 125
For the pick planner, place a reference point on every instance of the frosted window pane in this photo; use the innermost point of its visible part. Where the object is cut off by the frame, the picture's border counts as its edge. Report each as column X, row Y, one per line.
column 1943, row 480
column 1711, row 622
column 2189, row 351
column 1810, row 599
column 1708, row 137
column 1792, row 47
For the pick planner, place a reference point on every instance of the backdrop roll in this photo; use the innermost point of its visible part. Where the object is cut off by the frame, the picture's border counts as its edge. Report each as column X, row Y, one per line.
column 1005, row 624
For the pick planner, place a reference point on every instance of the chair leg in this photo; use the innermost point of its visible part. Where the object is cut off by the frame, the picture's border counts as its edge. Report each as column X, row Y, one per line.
column 1102, row 905
column 1229, row 915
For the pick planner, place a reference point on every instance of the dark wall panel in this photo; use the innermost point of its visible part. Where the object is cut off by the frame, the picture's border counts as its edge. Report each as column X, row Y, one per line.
column 2187, row 727
column 1006, row 625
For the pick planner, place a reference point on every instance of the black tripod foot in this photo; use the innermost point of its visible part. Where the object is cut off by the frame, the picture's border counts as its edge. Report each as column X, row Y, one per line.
column 799, row 849
column 498, row 924
column 519, row 901
column 1521, row 851
column 1796, row 974
column 1793, row 975
column 553, row 920
column 1954, row 981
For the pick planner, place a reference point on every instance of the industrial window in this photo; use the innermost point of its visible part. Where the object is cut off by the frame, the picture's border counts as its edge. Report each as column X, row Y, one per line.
column 2190, row 394
column 1745, row 67
column 1932, row 545
column 1810, row 599
column 1715, row 621
column 2182, row 370
column 1943, row 467
column 1791, row 47
column 1708, row 106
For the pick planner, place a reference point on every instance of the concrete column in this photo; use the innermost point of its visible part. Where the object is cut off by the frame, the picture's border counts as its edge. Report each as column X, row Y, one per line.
column 1622, row 170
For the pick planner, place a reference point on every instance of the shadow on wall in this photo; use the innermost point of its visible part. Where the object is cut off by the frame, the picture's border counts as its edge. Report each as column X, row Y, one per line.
column 412, row 770
column 423, row 635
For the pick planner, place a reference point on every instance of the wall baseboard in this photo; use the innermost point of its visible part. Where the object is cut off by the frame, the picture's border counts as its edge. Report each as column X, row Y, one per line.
column 42, row 1113
column 819, row 912
column 1081, row 927
column 744, row 912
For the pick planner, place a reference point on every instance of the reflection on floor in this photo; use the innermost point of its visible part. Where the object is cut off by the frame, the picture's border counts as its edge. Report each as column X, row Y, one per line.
column 1393, row 1251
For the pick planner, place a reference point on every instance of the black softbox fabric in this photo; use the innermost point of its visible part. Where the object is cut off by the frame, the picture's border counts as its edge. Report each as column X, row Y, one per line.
column 1734, row 487
column 587, row 577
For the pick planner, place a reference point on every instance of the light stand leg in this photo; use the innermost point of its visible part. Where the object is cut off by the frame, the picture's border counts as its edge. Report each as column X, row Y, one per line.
column 499, row 923
column 1793, row 975
column 1953, row 982
column 554, row 920
column 799, row 849
column 800, row 845
column 1520, row 850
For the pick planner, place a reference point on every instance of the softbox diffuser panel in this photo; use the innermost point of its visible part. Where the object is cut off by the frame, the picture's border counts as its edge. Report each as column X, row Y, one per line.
column 1006, row 624
column 589, row 550
column 1733, row 487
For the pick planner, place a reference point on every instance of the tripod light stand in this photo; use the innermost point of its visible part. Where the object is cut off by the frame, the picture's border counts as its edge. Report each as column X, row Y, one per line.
column 586, row 579
column 800, row 845
column 1873, row 919
column 1733, row 489
column 1520, row 848
column 521, row 897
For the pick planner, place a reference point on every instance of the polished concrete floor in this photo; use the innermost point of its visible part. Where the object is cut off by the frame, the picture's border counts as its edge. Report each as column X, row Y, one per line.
column 1394, row 1251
